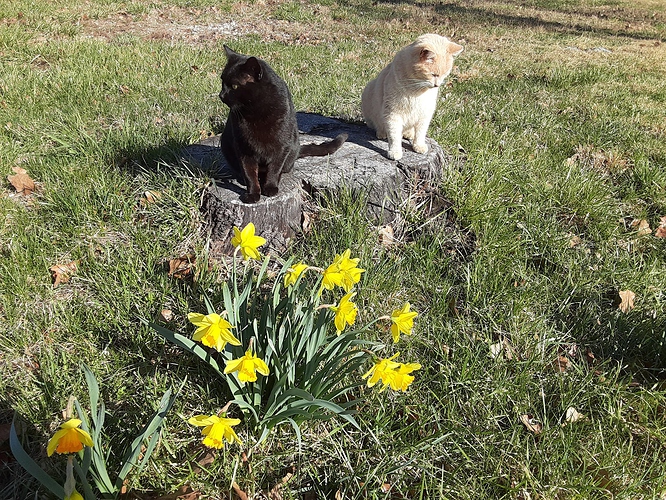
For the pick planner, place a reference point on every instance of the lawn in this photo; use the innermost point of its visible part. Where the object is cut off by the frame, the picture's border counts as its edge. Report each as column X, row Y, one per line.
column 540, row 286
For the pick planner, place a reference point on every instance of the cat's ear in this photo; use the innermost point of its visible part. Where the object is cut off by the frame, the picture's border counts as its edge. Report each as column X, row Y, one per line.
column 454, row 49
column 253, row 68
column 230, row 53
column 427, row 55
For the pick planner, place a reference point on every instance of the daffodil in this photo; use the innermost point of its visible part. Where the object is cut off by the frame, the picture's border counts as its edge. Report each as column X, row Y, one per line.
column 74, row 496
column 342, row 272
column 345, row 312
column 248, row 243
column 69, row 438
column 399, row 378
column 381, row 370
column 212, row 330
column 293, row 273
column 402, row 321
column 247, row 367
column 348, row 268
column 216, row 430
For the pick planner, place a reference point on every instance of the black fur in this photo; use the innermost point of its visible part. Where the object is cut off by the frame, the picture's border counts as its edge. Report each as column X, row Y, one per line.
column 260, row 138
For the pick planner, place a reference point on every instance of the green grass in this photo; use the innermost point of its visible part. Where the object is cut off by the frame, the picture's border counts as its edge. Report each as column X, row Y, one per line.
column 555, row 114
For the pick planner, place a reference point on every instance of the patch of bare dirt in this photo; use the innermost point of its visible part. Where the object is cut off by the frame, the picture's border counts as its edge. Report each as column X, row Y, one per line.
column 206, row 26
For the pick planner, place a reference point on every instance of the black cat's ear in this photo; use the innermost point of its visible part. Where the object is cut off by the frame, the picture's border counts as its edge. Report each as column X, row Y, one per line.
column 253, row 68
column 230, row 53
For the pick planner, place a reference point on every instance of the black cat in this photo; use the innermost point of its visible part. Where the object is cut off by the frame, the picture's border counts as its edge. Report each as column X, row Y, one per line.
column 260, row 138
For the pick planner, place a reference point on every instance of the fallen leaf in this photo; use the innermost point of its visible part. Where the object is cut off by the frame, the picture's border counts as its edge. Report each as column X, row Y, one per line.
column 660, row 232
column 496, row 349
column 574, row 241
column 22, row 182
column 150, row 197
column 275, row 493
column 240, row 493
column 641, row 226
column 61, row 273
column 182, row 267
column 572, row 415
column 166, row 315
column 561, row 364
column 386, row 236
column 532, row 424
column 386, row 488
column 626, row 300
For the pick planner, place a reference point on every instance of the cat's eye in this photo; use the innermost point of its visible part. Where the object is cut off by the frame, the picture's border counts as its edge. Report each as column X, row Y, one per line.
column 234, row 86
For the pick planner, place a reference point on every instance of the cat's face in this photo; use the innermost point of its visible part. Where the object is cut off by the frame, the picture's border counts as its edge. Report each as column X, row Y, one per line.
column 239, row 78
column 432, row 57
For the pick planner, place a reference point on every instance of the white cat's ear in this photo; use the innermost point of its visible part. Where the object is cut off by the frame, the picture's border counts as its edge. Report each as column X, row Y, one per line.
column 427, row 55
column 454, row 49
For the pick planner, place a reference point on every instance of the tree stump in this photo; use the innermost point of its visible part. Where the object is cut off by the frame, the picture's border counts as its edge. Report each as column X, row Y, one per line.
column 359, row 165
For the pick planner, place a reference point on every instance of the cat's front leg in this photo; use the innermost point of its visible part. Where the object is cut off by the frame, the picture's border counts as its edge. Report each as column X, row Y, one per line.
column 419, row 142
column 251, row 172
column 394, row 136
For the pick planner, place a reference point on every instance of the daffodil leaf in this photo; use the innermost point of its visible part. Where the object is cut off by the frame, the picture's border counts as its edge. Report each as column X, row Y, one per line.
column 31, row 466
column 82, row 472
column 93, row 389
column 153, row 427
column 188, row 344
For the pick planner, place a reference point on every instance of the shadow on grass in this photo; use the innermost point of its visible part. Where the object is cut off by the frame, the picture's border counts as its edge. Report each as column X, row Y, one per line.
column 636, row 340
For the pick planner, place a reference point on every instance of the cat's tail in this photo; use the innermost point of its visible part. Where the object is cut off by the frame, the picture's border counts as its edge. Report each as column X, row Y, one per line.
column 323, row 149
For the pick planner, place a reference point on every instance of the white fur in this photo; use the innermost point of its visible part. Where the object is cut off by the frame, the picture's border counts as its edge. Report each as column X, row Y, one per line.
column 401, row 101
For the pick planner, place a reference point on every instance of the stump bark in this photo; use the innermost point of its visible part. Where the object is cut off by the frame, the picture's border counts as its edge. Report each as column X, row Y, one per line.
column 359, row 165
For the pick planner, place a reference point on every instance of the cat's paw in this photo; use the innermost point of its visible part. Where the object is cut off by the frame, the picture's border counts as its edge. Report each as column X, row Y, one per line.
column 420, row 148
column 270, row 191
column 250, row 197
column 394, row 155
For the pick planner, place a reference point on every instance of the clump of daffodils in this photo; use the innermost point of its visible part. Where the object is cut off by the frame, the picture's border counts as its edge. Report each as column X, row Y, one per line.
column 286, row 343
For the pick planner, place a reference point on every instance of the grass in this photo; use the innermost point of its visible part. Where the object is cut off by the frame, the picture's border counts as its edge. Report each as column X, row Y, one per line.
column 555, row 114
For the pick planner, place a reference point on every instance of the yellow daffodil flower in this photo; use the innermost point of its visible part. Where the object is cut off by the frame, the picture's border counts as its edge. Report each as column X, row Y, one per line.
column 293, row 273
column 247, row 367
column 213, row 330
column 69, row 438
column 351, row 274
column 345, row 312
column 217, row 430
column 247, row 242
column 74, row 496
column 402, row 321
column 381, row 371
column 342, row 272
column 400, row 378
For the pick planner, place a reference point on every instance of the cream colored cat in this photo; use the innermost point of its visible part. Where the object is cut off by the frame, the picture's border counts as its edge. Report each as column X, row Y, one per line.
column 400, row 102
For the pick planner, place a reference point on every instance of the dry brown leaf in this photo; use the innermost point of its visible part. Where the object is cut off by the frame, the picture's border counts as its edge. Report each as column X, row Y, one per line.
column 240, row 493
column 182, row 267
column 641, row 226
column 386, row 488
column 275, row 493
column 150, row 197
column 626, row 301
column 660, row 232
column 532, row 424
column 61, row 273
column 166, row 315
column 574, row 241
column 21, row 181
column 561, row 364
